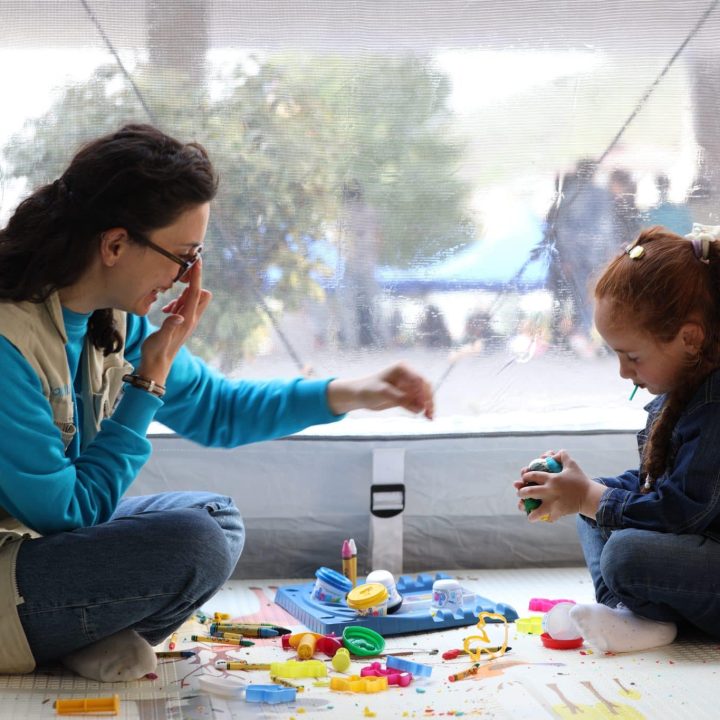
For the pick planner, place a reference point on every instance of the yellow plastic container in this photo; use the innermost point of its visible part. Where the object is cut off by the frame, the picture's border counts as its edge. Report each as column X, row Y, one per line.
column 88, row 706
column 370, row 599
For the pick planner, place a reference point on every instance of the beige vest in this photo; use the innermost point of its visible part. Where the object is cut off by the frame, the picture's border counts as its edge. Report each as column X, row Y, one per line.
column 37, row 330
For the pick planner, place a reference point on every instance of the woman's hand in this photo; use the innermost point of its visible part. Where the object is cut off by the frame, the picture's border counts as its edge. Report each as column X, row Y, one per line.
column 565, row 493
column 183, row 314
column 396, row 386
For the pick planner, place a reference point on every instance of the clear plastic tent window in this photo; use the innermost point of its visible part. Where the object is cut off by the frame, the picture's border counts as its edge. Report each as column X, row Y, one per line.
column 437, row 182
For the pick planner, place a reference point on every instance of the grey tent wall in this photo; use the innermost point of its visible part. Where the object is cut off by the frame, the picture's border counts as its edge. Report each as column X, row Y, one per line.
column 301, row 496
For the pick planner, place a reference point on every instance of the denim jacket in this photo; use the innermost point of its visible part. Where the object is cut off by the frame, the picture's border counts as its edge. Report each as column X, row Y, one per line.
column 686, row 498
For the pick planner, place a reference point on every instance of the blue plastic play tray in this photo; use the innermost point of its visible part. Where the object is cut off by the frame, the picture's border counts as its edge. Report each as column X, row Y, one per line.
column 413, row 615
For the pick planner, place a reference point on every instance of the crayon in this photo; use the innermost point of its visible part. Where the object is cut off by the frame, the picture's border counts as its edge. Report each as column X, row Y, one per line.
column 249, row 630
column 353, row 562
column 226, row 636
column 175, row 654
column 472, row 670
column 452, row 654
column 220, row 641
column 240, row 665
column 173, row 640
column 287, row 683
column 280, row 629
column 346, row 556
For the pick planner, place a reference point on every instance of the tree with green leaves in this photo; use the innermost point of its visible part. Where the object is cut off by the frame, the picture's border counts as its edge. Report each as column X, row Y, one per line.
column 289, row 137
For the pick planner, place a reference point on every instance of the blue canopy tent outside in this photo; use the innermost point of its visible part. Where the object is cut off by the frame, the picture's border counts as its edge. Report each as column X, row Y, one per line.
column 500, row 260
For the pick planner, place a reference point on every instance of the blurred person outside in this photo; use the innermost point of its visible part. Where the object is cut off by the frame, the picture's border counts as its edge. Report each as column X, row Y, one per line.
column 579, row 227
column 673, row 216
column 359, row 242
column 627, row 219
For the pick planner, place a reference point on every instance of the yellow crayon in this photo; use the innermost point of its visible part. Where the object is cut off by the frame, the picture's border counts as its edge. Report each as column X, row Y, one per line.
column 287, row 683
column 472, row 670
column 220, row 641
column 176, row 654
column 240, row 665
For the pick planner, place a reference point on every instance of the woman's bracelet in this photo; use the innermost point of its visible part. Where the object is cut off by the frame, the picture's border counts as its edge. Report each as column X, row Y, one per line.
column 145, row 384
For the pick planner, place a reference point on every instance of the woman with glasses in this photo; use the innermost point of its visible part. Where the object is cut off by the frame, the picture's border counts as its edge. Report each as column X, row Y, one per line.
column 88, row 576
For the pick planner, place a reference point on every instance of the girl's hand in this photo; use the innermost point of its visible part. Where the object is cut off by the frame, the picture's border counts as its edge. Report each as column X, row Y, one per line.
column 396, row 386
column 565, row 493
column 183, row 314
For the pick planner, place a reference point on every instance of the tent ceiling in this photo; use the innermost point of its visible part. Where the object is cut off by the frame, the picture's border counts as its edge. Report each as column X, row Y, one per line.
column 653, row 25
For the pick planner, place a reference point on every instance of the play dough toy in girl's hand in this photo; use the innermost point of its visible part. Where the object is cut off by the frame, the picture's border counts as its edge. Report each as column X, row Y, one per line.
column 547, row 464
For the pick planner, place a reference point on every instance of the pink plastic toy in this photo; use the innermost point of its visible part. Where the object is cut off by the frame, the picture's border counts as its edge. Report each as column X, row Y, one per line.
column 402, row 679
column 543, row 604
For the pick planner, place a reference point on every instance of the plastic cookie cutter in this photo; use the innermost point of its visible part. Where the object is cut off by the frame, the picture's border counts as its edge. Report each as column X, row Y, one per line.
column 358, row 684
column 531, row 625
column 270, row 694
column 363, row 641
column 402, row 679
column 416, row 669
column 474, row 653
column 298, row 669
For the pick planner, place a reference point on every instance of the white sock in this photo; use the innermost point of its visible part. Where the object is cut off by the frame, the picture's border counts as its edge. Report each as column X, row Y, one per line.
column 118, row 658
column 620, row 630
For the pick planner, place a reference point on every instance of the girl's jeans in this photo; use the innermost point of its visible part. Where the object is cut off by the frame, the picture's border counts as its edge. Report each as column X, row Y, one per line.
column 156, row 560
column 656, row 575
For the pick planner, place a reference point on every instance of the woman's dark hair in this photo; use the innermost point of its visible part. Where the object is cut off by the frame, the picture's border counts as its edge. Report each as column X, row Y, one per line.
column 137, row 178
column 658, row 292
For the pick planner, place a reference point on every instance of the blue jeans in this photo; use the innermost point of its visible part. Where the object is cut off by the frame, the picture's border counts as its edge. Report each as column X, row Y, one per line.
column 156, row 560
column 657, row 575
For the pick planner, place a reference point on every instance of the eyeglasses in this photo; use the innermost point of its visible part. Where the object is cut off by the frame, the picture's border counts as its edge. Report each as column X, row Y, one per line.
column 185, row 265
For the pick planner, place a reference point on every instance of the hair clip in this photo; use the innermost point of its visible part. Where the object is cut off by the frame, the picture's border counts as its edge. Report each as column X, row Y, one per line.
column 634, row 250
column 701, row 237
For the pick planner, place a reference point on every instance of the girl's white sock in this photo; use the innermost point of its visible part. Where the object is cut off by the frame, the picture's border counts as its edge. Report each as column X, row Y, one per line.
column 620, row 630
column 117, row 658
